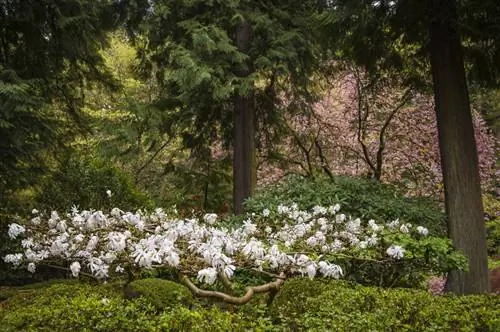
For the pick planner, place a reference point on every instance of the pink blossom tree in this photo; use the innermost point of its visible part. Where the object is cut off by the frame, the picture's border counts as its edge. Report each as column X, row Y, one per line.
column 373, row 128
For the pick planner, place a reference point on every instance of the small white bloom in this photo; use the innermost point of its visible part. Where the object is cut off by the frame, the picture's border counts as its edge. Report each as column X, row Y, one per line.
column 266, row 212
column 248, row 227
column 374, row 227
column 109, row 193
column 15, row 230
column 334, row 209
column 311, row 271
column 340, row 218
column 31, row 267
column 422, row 230
column 330, row 270
column 404, row 229
column 393, row 224
column 119, row 269
column 229, row 270
column 36, row 221
column 75, row 268
column 14, row 259
column 208, row 275
column 27, row 243
column 210, row 218
column 34, row 211
column 319, row 210
column 396, row 252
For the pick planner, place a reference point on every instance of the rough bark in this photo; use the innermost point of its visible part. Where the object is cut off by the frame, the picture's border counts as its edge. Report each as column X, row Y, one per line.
column 457, row 145
column 244, row 173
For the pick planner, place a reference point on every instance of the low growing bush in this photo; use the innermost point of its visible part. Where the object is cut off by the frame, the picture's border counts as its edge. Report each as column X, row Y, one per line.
column 339, row 306
column 161, row 293
column 78, row 307
column 359, row 198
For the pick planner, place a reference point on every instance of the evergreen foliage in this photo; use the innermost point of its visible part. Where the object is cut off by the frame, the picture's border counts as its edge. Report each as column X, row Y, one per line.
column 49, row 52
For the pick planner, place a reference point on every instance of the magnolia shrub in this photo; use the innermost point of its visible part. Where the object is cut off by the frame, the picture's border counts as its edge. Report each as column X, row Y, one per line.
column 283, row 243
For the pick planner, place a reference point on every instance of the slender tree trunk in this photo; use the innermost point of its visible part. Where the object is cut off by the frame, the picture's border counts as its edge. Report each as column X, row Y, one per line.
column 458, row 151
column 244, row 176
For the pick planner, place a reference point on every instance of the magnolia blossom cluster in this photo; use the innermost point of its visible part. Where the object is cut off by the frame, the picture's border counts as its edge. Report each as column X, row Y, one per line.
column 283, row 240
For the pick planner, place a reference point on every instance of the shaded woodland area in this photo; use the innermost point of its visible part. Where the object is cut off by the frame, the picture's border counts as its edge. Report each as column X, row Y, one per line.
column 256, row 114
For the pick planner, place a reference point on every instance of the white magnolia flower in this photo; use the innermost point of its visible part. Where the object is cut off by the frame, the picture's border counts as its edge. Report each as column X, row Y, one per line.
column 27, row 243
column 393, row 224
column 75, row 268
column 311, row 271
column 395, row 251
column 92, row 243
column 248, row 227
column 254, row 249
column 374, row 227
column 319, row 210
column 207, row 276
column 330, row 270
column 31, row 267
column 15, row 230
column 422, row 230
column 334, row 209
column 283, row 209
column 117, row 241
column 229, row 270
column 98, row 267
column 210, row 218
column 340, row 218
column 14, row 259
column 404, row 229
column 36, row 221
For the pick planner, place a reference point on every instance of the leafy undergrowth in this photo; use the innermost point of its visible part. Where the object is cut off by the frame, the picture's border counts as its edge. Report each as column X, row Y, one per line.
column 301, row 305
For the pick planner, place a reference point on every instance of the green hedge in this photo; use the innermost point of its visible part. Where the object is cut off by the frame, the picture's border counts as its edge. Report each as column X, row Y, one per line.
column 338, row 306
column 360, row 198
column 302, row 304
column 81, row 307
column 161, row 293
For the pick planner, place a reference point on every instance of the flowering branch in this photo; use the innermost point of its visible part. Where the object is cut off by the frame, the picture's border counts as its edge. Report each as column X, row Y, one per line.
column 298, row 243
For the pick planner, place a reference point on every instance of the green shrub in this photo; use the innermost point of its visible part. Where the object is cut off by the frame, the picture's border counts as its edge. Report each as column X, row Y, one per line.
column 83, row 181
column 83, row 307
column 78, row 307
column 212, row 319
column 302, row 304
column 360, row 198
column 161, row 293
column 339, row 306
column 492, row 211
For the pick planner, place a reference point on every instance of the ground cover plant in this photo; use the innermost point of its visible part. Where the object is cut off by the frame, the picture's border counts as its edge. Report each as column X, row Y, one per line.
column 302, row 304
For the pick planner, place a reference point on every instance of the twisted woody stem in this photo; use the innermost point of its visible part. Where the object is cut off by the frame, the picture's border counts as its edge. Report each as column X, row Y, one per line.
column 272, row 286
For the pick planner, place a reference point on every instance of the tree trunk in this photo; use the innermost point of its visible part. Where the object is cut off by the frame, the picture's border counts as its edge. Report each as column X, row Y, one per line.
column 457, row 145
column 244, row 176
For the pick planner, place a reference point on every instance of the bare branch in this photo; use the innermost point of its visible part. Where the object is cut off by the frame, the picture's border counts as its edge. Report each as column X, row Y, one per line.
column 362, row 122
column 225, row 282
column 269, row 287
column 140, row 169
column 381, row 145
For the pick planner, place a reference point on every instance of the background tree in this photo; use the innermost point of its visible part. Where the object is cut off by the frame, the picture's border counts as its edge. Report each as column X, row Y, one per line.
column 458, row 150
column 49, row 51
column 372, row 26
column 214, row 60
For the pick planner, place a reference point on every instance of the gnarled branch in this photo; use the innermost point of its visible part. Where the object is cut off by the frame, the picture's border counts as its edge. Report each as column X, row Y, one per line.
column 238, row 300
